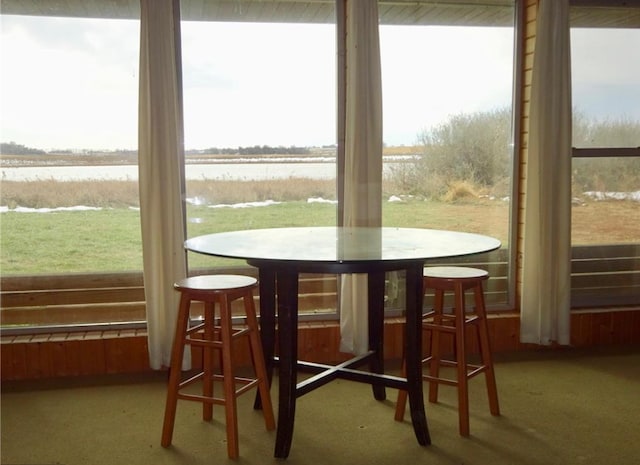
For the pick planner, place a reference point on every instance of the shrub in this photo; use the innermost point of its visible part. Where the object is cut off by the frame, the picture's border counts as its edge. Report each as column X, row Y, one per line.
column 472, row 148
column 459, row 190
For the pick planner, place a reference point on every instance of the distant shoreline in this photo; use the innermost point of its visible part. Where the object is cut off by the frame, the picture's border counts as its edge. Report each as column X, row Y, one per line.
column 319, row 155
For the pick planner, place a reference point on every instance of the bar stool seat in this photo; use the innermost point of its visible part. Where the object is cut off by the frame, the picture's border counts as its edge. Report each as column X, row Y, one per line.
column 457, row 280
column 218, row 336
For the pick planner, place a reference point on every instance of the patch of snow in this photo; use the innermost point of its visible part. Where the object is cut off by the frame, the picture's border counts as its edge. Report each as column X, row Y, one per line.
column 246, row 204
column 49, row 210
column 321, row 200
column 635, row 196
column 196, row 200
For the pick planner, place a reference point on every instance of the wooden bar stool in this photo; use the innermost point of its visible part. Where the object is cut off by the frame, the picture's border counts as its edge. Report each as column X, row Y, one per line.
column 223, row 290
column 457, row 280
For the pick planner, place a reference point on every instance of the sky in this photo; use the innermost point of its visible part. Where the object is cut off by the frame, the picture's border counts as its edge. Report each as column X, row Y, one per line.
column 72, row 83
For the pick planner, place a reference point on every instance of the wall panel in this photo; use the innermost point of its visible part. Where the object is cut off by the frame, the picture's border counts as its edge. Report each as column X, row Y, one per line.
column 118, row 352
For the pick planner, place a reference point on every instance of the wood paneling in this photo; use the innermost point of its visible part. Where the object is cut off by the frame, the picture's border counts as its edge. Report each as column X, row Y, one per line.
column 420, row 12
column 77, row 299
column 416, row 12
column 80, row 299
column 116, row 352
column 73, row 354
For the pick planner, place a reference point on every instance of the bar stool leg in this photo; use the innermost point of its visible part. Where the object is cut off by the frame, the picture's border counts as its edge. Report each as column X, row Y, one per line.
column 257, row 355
column 207, row 360
column 401, row 401
column 434, row 365
column 230, row 405
column 177, row 352
column 461, row 361
column 485, row 351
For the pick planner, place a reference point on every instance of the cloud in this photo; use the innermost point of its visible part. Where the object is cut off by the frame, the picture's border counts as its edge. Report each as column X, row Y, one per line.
column 76, row 92
column 606, row 73
column 258, row 84
column 449, row 70
column 73, row 83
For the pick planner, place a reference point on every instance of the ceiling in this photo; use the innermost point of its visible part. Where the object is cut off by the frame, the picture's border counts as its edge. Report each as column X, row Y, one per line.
column 618, row 13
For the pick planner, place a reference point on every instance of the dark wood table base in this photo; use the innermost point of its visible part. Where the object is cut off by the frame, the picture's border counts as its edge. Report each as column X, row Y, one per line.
column 279, row 289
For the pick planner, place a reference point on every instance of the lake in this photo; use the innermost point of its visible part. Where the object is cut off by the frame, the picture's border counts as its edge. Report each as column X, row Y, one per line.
column 219, row 171
column 246, row 171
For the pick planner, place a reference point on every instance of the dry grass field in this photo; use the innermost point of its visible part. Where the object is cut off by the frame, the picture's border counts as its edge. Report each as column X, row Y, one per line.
column 611, row 221
column 34, row 243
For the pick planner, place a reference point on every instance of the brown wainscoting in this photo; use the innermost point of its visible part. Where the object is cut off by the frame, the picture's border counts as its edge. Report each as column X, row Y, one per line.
column 30, row 357
column 58, row 355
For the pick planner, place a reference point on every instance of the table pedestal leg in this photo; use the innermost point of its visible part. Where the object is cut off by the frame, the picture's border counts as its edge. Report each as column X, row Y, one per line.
column 376, row 329
column 287, row 285
column 267, row 282
column 413, row 338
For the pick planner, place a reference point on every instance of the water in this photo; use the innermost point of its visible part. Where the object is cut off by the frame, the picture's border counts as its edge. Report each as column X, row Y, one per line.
column 240, row 171
column 218, row 171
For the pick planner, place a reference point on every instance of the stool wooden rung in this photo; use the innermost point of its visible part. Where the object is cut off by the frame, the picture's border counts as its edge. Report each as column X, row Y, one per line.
column 246, row 384
column 472, row 370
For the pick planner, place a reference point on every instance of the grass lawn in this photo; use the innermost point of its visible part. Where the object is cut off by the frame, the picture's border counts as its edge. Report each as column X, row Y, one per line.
column 109, row 239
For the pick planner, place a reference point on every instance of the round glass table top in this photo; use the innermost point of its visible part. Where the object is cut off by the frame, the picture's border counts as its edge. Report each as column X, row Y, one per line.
column 341, row 244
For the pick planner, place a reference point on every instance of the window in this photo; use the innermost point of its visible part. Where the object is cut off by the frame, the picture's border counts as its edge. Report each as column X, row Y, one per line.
column 448, row 116
column 69, row 220
column 69, row 133
column 606, row 157
column 260, row 123
column 260, row 118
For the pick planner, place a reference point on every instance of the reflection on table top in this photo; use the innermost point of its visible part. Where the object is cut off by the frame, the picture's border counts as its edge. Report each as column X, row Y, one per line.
column 341, row 245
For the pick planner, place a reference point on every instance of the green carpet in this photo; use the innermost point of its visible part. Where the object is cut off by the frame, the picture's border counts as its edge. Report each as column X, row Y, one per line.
column 558, row 407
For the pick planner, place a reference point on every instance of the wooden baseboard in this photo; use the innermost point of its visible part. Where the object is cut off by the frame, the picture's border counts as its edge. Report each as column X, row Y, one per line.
column 42, row 356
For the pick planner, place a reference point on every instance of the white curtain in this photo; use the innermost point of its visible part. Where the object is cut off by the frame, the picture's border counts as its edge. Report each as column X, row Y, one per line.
column 161, row 164
column 546, row 287
column 363, row 157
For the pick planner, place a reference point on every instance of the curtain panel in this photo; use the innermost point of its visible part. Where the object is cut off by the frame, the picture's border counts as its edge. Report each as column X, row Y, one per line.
column 161, row 166
column 546, row 274
column 362, row 200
